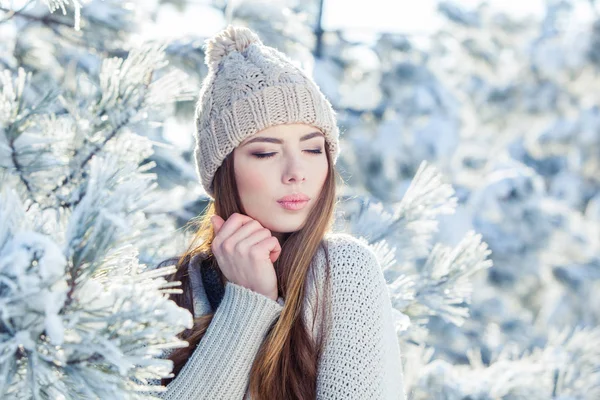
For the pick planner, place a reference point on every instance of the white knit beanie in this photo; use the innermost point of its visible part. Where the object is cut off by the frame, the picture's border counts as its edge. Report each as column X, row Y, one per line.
column 250, row 87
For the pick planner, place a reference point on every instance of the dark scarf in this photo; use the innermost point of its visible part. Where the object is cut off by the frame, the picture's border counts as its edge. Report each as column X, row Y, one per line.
column 212, row 285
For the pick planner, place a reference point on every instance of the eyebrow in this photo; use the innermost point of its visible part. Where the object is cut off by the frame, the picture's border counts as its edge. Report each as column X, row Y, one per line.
column 279, row 141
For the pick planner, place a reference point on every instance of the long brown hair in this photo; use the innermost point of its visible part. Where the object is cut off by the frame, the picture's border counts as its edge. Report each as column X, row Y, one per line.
column 287, row 361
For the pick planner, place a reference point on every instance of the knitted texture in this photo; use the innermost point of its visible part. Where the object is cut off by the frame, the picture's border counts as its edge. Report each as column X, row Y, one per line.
column 250, row 87
column 212, row 285
column 361, row 358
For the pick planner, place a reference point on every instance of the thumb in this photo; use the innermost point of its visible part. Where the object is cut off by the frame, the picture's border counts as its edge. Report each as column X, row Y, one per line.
column 217, row 223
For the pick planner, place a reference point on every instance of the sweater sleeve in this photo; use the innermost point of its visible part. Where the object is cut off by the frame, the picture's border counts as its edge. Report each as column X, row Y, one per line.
column 219, row 367
column 361, row 356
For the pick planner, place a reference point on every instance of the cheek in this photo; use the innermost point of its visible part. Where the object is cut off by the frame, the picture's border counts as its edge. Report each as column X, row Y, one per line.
column 320, row 170
column 250, row 180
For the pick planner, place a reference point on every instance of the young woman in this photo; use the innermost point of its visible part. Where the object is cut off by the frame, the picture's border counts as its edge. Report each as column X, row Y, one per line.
column 284, row 308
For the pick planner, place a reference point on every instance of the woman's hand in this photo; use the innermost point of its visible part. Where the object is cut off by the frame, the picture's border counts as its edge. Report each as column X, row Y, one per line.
column 245, row 252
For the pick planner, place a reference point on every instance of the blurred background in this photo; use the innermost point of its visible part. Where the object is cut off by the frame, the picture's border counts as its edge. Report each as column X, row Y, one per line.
column 501, row 97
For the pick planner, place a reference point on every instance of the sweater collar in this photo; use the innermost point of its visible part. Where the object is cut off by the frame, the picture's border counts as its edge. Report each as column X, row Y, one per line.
column 202, row 276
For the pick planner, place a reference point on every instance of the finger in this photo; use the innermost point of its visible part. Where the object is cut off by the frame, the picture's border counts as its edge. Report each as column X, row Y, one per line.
column 246, row 231
column 271, row 246
column 233, row 223
column 276, row 251
column 217, row 223
column 256, row 236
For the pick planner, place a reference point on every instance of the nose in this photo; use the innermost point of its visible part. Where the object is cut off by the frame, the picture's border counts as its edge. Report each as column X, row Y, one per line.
column 295, row 170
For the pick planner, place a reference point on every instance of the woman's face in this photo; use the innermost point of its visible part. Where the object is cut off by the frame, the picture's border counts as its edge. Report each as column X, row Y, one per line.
column 293, row 162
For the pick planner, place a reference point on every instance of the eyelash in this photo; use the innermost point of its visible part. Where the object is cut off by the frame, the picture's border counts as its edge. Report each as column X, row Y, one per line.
column 269, row 155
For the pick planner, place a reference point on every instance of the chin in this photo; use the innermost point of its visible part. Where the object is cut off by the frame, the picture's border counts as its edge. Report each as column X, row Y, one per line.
column 283, row 227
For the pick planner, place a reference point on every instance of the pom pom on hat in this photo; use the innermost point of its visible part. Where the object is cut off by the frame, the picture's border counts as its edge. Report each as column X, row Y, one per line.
column 233, row 38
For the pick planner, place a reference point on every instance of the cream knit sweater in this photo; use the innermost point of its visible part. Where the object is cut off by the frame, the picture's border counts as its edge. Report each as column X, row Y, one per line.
column 361, row 358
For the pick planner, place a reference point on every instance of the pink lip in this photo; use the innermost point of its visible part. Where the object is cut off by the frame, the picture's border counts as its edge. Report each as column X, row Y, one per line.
column 294, row 197
column 293, row 205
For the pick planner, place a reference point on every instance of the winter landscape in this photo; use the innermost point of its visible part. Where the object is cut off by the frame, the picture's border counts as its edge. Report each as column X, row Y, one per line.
column 471, row 160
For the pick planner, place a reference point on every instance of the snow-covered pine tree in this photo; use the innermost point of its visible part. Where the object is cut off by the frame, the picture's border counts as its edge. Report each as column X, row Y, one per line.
column 80, row 316
column 504, row 332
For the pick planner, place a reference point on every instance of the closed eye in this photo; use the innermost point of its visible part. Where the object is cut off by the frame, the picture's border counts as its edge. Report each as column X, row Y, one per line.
column 269, row 155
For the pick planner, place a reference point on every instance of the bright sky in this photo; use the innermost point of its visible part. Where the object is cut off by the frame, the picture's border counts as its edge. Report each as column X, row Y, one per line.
column 406, row 16
column 363, row 19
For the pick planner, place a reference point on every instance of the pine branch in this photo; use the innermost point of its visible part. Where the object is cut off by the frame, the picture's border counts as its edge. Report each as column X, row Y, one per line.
column 47, row 19
column 17, row 120
column 12, row 13
column 97, row 148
